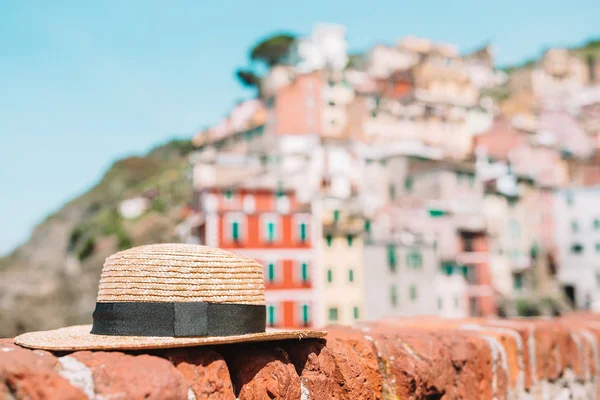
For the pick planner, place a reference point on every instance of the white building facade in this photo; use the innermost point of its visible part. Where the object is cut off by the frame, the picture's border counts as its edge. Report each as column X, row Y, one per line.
column 577, row 230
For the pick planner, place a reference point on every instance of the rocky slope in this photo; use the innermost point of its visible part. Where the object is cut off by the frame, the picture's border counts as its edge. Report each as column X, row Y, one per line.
column 51, row 280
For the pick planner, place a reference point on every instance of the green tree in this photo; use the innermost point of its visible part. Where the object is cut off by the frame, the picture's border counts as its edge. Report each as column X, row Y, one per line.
column 271, row 50
column 266, row 53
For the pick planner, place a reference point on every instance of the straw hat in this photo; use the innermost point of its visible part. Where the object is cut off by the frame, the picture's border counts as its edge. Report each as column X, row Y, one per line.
column 171, row 295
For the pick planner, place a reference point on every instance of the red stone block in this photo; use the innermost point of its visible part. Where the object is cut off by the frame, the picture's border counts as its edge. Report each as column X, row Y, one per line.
column 205, row 371
column 26, row 374
column 264, row 373
column 118, row 375
column 345, row 368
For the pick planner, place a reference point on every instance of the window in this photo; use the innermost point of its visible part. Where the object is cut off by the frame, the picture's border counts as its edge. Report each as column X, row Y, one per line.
column 597, row 224
column 569, row 198
column 440, row 303
column 574, row 226
column 333, row 314
column 518, row 281
column 271, row 315
column 270, row 225
column 448, row 268
column 459, row 177
column 414, row 259
column 302, row 227
column 597, row 247
column 392, row 191
column 576, row 248
column 349, row 238
column 471, row 178
column 329, row 275
column 393, row 296
column 392, row 257
column 351, row 275
column 305, row 315
column 329, row 239
column 356, row 313
column 271, row 272
column 228, row 194
column 235, row 226
column 304, row 272
column 413, row 292
column 456, row 302
column 235, row 231
column 408, row 183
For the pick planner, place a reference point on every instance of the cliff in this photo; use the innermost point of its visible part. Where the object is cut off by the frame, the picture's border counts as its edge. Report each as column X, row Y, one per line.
column 51, row 280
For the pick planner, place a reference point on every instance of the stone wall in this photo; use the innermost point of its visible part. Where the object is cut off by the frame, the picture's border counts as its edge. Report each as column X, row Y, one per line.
column 412, row 358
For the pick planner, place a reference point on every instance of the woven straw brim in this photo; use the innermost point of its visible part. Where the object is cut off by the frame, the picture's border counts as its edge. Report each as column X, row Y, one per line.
column 79, row 338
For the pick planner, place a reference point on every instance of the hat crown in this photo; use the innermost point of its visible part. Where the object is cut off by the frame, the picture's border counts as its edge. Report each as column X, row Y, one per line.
column 181, row 273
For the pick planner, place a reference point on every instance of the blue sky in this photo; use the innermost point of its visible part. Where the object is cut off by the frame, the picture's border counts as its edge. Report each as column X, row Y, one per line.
column 83, row 83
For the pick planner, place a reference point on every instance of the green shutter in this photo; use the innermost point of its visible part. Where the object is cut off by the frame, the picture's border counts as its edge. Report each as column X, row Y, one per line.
column 336, row 215
column 518, row 282
column 271, row 315
column 356, row 315
column 271, row 272
column 329, row 239
column 413, row 259
column 448, row 268
column 436, row 213
column 392, row 190
column 408, row 183
column 333, row 314
column 367, row 226
column 329, row 275
column 350, row 238
column 271, row 231
column 304, row 271
column 235, row 230
column 351, row 276
column 393, row 296
column 392, row 257
column 305, row 314
column 413, row 292
column 302, row 231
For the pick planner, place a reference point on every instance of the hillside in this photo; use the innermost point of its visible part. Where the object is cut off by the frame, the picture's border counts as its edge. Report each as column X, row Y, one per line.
column 51, row 280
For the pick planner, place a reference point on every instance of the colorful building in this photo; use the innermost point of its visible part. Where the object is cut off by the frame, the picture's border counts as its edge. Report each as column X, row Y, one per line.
column 341, row 257
column 401, row 268
column 272, row 227
column 577, row 223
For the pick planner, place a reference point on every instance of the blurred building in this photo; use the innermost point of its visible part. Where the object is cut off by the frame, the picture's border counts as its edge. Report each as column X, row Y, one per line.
column 577, row 230
column 420, row 193
column 401, row 271
column 342, row 255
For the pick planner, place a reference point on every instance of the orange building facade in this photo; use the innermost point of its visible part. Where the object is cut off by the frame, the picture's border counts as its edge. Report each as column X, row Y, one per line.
column 273, row 228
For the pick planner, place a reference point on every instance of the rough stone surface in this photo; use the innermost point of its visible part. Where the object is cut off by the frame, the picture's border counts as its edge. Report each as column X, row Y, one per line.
column 405, row 358
column 265, row 373
column 124, row 376
column 205, row 371
column 25, row 374
column 345, row 368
